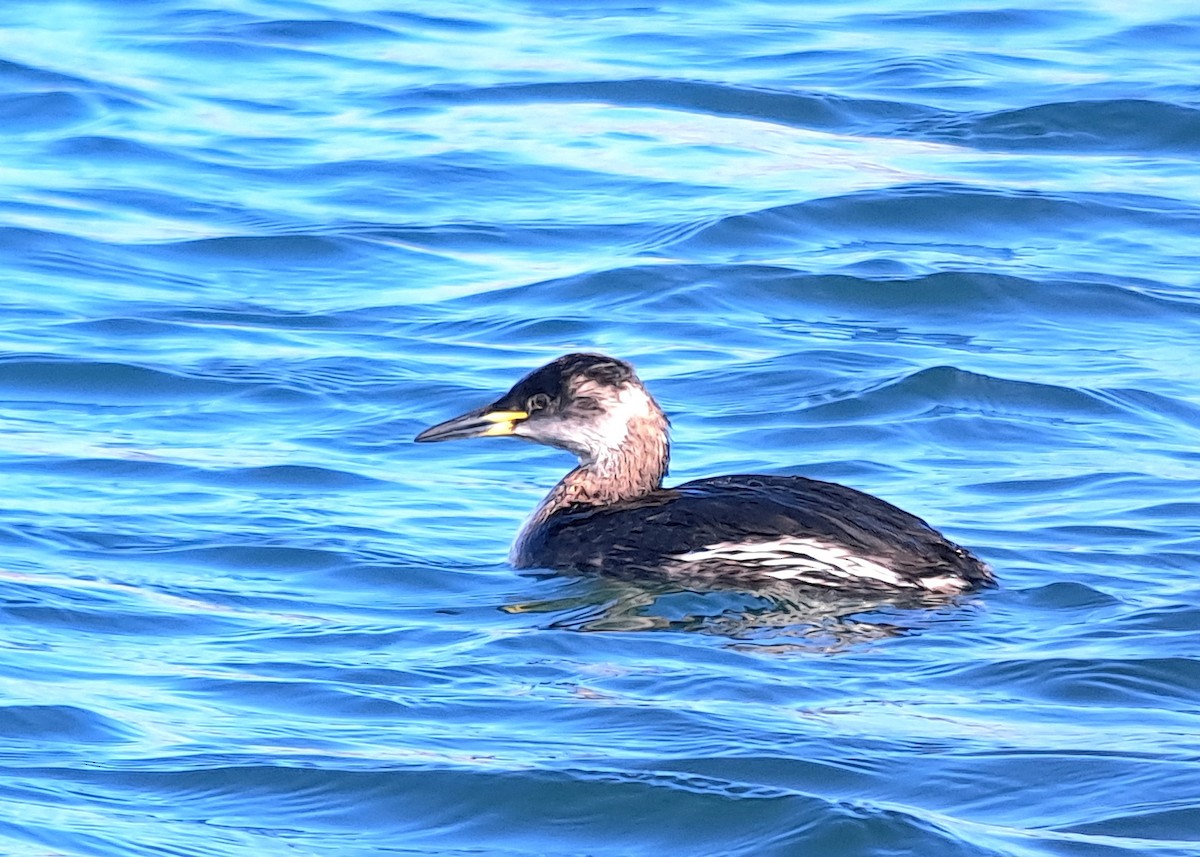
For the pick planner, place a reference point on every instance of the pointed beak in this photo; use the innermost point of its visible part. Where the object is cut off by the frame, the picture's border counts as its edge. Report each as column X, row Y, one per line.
column 484, row 422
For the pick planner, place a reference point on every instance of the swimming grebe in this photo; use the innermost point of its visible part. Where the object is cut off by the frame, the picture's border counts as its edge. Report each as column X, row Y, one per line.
column 612, row 514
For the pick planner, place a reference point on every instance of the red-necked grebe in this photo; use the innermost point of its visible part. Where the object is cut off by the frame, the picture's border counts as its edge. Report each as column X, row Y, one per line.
column 612, row 514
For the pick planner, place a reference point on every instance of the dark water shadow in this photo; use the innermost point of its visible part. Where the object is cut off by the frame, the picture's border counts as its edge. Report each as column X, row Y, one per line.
column 777, row 619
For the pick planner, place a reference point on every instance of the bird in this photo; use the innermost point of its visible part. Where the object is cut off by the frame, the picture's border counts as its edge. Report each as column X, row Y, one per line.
column 612, row 514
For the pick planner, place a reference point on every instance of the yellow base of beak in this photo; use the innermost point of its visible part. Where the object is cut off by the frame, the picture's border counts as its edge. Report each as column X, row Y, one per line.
column 504, row 422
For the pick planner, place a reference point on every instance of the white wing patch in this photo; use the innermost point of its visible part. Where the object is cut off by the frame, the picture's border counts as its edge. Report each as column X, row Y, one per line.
column 805, row 561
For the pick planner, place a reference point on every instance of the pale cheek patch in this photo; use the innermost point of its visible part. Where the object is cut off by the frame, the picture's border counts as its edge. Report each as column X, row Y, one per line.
column 610, row 429
column 807, row 561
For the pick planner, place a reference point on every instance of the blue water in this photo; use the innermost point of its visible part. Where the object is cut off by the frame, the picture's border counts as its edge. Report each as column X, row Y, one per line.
column 948, row 254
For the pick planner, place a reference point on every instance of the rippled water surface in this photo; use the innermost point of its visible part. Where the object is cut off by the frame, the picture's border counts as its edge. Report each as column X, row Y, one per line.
column 948, row 254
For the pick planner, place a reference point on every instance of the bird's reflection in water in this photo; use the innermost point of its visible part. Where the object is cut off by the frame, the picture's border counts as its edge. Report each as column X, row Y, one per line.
column 779, row 618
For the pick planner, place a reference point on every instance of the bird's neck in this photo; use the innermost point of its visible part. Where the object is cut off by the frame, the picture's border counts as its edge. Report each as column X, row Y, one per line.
column 628, row 471
column 633, row 468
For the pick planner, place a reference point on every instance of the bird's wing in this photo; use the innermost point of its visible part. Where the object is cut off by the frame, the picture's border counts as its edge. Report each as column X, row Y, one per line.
column 787, row 527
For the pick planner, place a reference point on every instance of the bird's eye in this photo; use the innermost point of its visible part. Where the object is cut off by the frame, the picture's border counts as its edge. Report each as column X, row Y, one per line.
column 537, row 402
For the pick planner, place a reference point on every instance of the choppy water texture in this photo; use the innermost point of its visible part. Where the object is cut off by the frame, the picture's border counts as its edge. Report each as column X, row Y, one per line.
column 946, row 254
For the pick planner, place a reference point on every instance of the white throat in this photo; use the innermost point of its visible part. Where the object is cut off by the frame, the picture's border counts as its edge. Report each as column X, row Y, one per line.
column 628, row 411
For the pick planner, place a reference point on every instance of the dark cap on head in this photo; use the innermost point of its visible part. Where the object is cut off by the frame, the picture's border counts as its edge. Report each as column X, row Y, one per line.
column 555, row 405
column 556, row 377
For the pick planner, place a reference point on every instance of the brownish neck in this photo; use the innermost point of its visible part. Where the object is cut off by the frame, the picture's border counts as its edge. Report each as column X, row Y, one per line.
column 601, row 483
column 632, row 470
